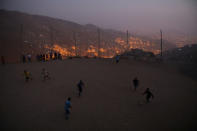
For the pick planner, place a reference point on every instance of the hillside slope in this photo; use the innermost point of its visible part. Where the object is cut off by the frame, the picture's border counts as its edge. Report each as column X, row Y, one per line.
column 22, row 33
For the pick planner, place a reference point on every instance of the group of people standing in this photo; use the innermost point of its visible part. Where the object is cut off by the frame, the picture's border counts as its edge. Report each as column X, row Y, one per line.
column 42, row 57
column 49, row 56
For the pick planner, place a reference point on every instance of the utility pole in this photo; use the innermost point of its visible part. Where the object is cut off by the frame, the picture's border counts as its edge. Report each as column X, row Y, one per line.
column 99, row 42
column 75, row 40
column 52, row 39
column 161, row 42
column 127, row 39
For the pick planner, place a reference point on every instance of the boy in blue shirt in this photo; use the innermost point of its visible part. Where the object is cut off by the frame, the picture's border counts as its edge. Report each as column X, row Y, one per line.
column 67, row 107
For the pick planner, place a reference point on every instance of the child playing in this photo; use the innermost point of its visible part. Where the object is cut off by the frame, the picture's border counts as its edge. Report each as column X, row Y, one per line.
column 67, row 107
column 27, row 75
column 148, row 95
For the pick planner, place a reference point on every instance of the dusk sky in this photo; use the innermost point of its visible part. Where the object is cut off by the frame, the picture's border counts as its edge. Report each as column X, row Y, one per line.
column 136, row 15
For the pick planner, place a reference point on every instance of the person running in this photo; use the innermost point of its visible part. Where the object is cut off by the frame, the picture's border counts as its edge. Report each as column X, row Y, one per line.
column 45, row 74
column 80, row 87
column 148, row 95
column 27, row 75
column 135, row 83
column 67, row 107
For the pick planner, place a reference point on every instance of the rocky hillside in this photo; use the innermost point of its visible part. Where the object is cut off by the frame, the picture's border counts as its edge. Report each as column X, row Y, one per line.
column 22, row 33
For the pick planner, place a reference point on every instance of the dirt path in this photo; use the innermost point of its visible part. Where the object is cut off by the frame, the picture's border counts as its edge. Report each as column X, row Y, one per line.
column 108, row 101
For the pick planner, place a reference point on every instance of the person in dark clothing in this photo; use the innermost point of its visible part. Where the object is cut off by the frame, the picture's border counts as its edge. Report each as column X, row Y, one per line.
column 40, row 57
column 47, row 57
column 24, row 58
column 135, row 83
column 148, row 95
column 59, row 56
column 80, row 87
column 43, row 57
column 55, row 54
column 67, row 107
column 117, row 58
column 51, row 55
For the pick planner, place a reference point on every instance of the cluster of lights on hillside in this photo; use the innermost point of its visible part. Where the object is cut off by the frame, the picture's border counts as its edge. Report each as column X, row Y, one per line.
column 120, row 46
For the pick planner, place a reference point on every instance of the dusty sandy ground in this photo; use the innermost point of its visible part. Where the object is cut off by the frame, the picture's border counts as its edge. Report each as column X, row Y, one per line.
column 107, row 103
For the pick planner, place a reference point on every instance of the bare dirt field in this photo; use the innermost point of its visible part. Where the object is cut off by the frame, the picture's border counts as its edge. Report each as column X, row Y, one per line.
column 108, row 102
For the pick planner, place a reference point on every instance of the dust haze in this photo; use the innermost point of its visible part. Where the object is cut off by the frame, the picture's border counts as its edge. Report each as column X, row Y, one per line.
column 142, row 16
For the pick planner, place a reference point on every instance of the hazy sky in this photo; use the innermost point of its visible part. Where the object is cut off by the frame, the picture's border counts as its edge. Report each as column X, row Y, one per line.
column 135, row 15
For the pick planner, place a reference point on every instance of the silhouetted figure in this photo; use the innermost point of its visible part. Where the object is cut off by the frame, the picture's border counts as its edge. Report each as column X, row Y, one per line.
column 24, row 58
column 47, row 57
column 117, row 58
column 29, row 57
column 45, row 74
column 43, row 57
column 148, row 95
column 59, row 56
column 80, row 87
column 51, row 55
column 27, row 76
column 135, row 83
column 67, row 107
column 55, row 54
column 38, row 57
column 2, row 60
